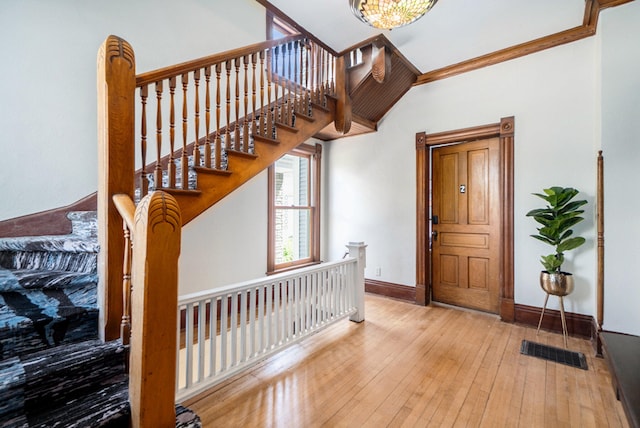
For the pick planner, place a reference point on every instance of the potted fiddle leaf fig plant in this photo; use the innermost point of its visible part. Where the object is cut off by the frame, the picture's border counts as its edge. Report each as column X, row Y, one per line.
column 557, row 219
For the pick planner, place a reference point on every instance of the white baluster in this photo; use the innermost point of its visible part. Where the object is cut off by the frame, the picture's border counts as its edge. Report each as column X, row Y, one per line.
column 315, row 280
column 243, row 326
column 202, row 329
column 289, row 295
column 297, row 324
column 252, row 323
column 188, row 345
column 261, row 326
column 234, row 329
column 224, row 303
column 178, row 359
column 213, row 336
column 269, row 316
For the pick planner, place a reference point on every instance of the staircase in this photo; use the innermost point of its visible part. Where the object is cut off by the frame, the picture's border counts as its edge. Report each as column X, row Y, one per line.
column 53, row 369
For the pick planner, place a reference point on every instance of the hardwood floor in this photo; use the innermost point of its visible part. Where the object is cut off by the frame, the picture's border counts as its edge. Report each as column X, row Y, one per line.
column 408, row 365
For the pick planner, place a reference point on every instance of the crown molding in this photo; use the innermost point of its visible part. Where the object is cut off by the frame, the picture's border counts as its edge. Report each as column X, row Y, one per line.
column 587, row 29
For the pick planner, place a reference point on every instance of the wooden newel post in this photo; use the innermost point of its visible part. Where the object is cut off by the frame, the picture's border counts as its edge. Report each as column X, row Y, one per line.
column 358, row 251
column 116, row 110
column 154, row 302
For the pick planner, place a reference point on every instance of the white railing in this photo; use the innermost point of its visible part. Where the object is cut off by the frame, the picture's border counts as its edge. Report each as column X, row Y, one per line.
column 229, row 329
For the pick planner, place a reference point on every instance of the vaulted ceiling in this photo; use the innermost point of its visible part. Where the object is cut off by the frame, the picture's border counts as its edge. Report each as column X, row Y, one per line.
column 452, row 32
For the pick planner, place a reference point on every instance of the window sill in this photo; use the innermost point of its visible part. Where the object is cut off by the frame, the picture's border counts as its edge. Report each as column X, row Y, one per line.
column 293, row 267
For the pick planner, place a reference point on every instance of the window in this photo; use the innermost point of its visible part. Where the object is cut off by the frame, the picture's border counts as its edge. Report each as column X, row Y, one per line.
column 286, row 62
column 294, row 199
column 277, row 28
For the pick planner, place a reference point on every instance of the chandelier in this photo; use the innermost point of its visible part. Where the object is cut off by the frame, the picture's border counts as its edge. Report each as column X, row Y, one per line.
column 388, row 14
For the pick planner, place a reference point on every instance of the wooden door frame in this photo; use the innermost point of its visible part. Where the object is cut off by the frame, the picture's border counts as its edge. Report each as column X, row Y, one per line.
column 504, row 130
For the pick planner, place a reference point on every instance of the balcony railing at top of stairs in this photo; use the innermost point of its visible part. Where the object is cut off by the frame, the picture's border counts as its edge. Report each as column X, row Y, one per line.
column 229, row 329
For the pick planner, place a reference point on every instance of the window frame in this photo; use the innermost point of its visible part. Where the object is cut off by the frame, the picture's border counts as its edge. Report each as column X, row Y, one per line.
column 314, row 154
column 274, row 23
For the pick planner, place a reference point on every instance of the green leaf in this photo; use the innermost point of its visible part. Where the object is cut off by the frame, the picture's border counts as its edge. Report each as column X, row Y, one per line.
column 565, row 197
column 570, row 244
column 545, row 197
column 551, row 231
column 545, row 221
column 552, row 262
column 543, row 239
column 566, row 234
column 540, row 211
column 572, row 206
column 566, row 223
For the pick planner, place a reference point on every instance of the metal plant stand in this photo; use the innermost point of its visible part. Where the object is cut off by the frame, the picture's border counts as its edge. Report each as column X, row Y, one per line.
column 564, row 321
column 558, row 284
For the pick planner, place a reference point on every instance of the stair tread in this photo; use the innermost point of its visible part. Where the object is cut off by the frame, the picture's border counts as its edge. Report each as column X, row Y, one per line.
column 268, row 140
column 49, row 253
column 52, row 243
column 215, row 171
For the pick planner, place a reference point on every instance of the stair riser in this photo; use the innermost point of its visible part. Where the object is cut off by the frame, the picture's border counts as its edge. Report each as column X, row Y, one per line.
column 51, row 383
column 84, row 223
column 37, row 336
column 48, row 379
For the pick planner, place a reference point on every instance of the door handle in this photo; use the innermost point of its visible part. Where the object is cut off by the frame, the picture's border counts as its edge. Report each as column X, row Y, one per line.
column 434, row 235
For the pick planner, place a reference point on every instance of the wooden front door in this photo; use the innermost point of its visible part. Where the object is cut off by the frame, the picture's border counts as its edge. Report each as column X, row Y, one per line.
column 466, row 215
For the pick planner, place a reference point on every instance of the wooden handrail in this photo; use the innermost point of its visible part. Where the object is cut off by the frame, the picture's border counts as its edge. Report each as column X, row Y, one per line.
column 125, row 206
column 188, row 66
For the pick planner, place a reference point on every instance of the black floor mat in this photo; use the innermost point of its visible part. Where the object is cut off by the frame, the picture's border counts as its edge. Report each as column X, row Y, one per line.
column 562, row 356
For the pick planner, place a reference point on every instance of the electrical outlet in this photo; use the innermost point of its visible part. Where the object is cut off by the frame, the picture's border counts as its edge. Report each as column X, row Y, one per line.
column 378, row 271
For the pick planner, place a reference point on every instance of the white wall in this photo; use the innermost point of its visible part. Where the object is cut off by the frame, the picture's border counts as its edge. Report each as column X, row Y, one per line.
column 372, row 187
column 48, row 80
column 620, row 33
column 228, row 243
